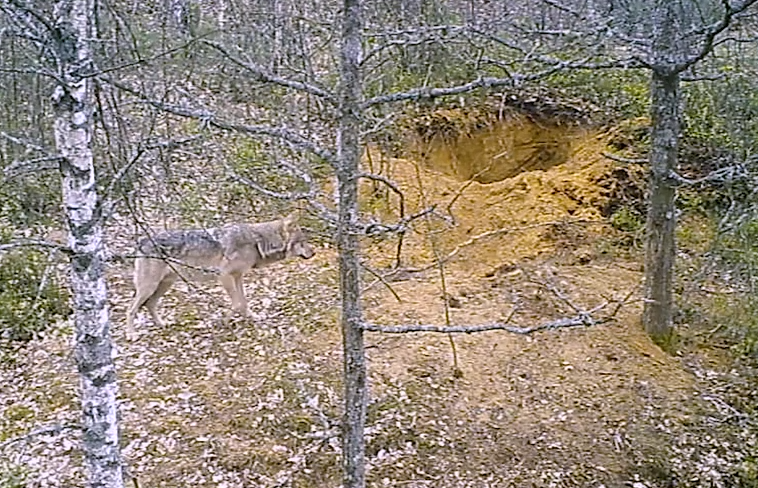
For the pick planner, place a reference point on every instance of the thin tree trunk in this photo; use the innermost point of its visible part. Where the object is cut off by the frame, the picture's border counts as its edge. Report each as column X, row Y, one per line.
column 349, row 152
column 72, row 102
column 661, row 218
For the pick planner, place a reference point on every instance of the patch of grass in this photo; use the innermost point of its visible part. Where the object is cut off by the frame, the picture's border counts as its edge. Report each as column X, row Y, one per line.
column 627, row 219
column 31, row 297
column 624, row 93
column 748, row 474
column 31, row 201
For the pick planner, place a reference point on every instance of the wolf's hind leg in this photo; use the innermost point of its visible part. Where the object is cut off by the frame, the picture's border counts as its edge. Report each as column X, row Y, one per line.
column 152, row 302
column 143, row 295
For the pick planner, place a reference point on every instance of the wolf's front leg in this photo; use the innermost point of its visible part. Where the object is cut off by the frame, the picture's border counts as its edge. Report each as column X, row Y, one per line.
column 240, row 288
column 229, row 281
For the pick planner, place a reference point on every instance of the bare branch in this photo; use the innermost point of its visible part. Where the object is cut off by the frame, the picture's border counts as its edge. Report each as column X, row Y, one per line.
column 20, row 168
column 36, row 243
column 271, row 193
column 711, row 32
column 51, row 429
column 209, row 118
column 428, row 93
column 382, row 280
column 620, row 159
column 391, row 185
column 262, row 75
column 33, row 14
column 415, row 37
column 311, row 196
column 25, row 143
column 376, row 228
column 728, row 173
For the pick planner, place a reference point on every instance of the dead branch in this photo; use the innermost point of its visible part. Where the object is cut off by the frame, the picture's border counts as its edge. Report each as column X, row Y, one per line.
column 264, row 76
column 36, row 243
column 382, row 280
column 401, row 197
column 311, row 196
column 25, row 143
column 712, row 31
column 552, row 288
column 50, row 429
column 721, row 175
column 415, row 37
column 30, row 166
column 467, row 184
column 210, row 119
column 391, row 185
column 429, row 93
column 620, row 159
column 377, row 228
column 584, row 318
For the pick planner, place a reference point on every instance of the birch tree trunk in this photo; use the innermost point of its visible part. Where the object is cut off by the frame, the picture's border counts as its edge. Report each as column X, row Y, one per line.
column 349, row 153
column 72, row 102
column 661, row 219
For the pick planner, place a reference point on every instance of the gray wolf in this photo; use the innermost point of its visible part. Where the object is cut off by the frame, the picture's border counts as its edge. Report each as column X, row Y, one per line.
column 225, row 253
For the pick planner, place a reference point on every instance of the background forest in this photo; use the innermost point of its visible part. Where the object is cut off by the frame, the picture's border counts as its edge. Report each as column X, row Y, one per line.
column 535, row 228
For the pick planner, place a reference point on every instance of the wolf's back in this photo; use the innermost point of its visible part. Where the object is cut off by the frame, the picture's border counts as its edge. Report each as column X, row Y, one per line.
column 180, row 243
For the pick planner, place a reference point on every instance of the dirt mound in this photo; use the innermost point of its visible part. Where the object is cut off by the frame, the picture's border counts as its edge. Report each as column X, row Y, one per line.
column 515, row 179
column 487, row 152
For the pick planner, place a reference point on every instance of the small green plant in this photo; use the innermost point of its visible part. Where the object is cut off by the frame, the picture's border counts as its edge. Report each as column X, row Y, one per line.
column 741, row 319
column 624, row 93
column 748, row 474
column 34, row 200
column 627, row 219
column 30, row 295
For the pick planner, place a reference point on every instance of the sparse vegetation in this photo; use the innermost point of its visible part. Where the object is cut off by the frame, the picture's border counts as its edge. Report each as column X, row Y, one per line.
column 31, row 295
column 535, row 163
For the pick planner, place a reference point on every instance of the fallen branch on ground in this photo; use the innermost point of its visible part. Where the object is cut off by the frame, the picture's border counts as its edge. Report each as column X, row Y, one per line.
column 583, row 318
column 50, row 429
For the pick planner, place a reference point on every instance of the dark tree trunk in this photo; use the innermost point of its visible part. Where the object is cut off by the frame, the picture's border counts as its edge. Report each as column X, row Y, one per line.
column 349, row 153
column 72, row 101
column 661, row 219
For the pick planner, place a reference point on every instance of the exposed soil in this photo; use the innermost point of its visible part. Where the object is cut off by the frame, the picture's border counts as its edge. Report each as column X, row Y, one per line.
column 256, row 402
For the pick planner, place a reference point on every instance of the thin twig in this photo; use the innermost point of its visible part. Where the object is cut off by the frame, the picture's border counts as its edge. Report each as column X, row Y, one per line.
column 50, row 429
column 382, row 280
column 620, row 159
column 36, row 243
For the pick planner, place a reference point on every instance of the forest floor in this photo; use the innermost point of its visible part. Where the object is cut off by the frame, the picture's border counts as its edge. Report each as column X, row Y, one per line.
column 209, row 402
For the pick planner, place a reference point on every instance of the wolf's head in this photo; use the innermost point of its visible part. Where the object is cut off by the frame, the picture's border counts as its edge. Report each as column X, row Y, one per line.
column 297, row 241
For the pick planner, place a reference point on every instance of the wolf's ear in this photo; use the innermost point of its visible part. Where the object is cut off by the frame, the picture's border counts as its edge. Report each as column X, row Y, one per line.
column 290, row 220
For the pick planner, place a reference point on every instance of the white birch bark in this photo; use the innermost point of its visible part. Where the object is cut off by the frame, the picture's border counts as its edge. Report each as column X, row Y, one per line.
column 73, row 104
